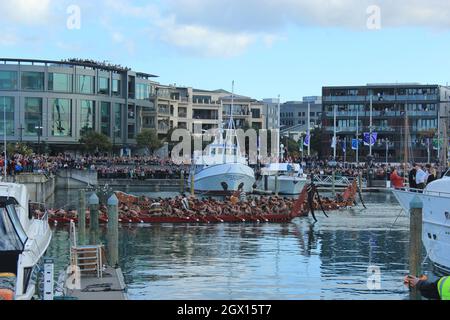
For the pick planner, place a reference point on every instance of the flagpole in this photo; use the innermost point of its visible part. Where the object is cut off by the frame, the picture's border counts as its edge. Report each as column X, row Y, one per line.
column 357, row 136
column 371, row 123
column 279, row 129
column 387, row 151
column 309, row 129
column 345, row 150
column 335, row 132
column 302, row 142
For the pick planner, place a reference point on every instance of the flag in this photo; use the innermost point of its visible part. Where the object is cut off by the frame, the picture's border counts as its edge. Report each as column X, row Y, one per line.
column 372, row 139
column 437, row 143
column 355, row 144
column 344, row 145
column 333, row 143
column 307, row 140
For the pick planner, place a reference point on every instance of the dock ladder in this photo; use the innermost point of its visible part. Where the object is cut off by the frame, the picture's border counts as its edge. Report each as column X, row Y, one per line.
column 88, row 258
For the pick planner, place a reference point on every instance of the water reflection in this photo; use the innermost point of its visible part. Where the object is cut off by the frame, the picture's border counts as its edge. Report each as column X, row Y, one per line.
column 298, row 260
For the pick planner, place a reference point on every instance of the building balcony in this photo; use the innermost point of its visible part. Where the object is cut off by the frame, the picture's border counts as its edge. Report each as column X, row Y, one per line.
column 385, row 98
column 380, row 114
column 379, row 129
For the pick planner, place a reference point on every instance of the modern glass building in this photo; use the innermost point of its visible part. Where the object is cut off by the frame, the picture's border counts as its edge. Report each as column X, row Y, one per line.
column 404, row 116
column 57, row 101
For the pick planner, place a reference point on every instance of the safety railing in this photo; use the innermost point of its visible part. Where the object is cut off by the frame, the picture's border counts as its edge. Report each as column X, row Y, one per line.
column 339, row 181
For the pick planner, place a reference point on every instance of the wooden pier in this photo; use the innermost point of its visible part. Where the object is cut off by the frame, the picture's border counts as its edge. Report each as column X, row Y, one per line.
column 110, row 287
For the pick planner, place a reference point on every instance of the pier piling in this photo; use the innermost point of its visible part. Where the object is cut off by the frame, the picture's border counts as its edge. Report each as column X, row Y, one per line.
column 415, row 243
column 82, row 216
column 94, row 204
column 182, row 181
column 277, row 188
column 113, row 231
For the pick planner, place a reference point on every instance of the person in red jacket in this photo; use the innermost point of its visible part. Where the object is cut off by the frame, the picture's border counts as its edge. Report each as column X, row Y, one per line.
column 396, row 180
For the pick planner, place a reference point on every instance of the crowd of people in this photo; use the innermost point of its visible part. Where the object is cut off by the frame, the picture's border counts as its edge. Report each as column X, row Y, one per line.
column 418, row 177
column 152, row 167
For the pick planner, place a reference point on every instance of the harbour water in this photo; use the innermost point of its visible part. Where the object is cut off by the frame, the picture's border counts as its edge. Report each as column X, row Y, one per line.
column 332, row 259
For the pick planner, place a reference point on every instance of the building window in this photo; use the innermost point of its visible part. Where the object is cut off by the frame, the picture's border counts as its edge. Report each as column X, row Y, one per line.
column 182, row 112
column 87, row 116
column 8, row 80
column 7, row 105
column 142, row 91
column 103, row 85
column 131, row 114
column 116, row 87
column 86, row 84
column 117, row 120
column 256, row 113
column 59, row 82
column 33, row 81
column 105, row 118
column 131, row 131
column 33, row 116
column 61, row 117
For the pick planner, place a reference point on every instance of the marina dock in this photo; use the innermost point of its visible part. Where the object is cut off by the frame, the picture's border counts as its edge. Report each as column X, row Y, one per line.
column 110, row 287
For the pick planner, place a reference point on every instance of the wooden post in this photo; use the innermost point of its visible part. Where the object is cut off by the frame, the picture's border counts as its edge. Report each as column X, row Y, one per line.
column 415, row 243
column 94, row 203
column 113, row 231
column 193, row 184
column 82, row 215
column 182, row 186
column 277, row 188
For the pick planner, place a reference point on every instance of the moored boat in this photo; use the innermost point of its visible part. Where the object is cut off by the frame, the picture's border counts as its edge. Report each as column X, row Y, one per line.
column 24, row 239
column 436, row 218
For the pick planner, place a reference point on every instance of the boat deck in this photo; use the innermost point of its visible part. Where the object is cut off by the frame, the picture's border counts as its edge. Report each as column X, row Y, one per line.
column 110, row 287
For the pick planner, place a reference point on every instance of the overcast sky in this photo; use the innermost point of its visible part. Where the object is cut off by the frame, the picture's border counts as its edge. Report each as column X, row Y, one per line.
column 286, row 47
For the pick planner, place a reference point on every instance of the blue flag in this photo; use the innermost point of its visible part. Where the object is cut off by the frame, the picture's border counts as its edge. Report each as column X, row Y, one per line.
column 372, row 139
column 307, row 140
column 355, row 144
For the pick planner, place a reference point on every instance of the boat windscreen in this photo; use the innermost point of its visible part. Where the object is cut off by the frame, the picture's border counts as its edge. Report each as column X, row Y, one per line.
column 12, row 235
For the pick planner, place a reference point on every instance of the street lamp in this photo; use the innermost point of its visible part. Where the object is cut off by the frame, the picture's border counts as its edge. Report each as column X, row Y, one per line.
column 39, row 132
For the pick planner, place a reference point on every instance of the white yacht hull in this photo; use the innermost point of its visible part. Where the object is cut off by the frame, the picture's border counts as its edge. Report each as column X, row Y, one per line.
column 286, row 185
column 210, row 179
column 436, row 224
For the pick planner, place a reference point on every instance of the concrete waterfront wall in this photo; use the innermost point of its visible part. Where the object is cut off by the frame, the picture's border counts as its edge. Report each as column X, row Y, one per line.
column 40, row 187
column 76, row 179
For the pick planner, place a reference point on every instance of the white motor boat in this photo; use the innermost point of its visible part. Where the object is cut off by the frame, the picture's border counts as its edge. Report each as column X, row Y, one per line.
column 24, row 239
column 436, row 218
column 291, row 180
column 223, row 169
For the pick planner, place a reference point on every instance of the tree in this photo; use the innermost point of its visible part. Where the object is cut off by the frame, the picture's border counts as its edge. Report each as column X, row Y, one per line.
column 148, row 138
column 19, row 148
column 95, row 142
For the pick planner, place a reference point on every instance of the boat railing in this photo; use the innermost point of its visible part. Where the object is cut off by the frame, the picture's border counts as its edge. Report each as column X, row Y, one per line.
column 424, row 192
column 41, row 207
